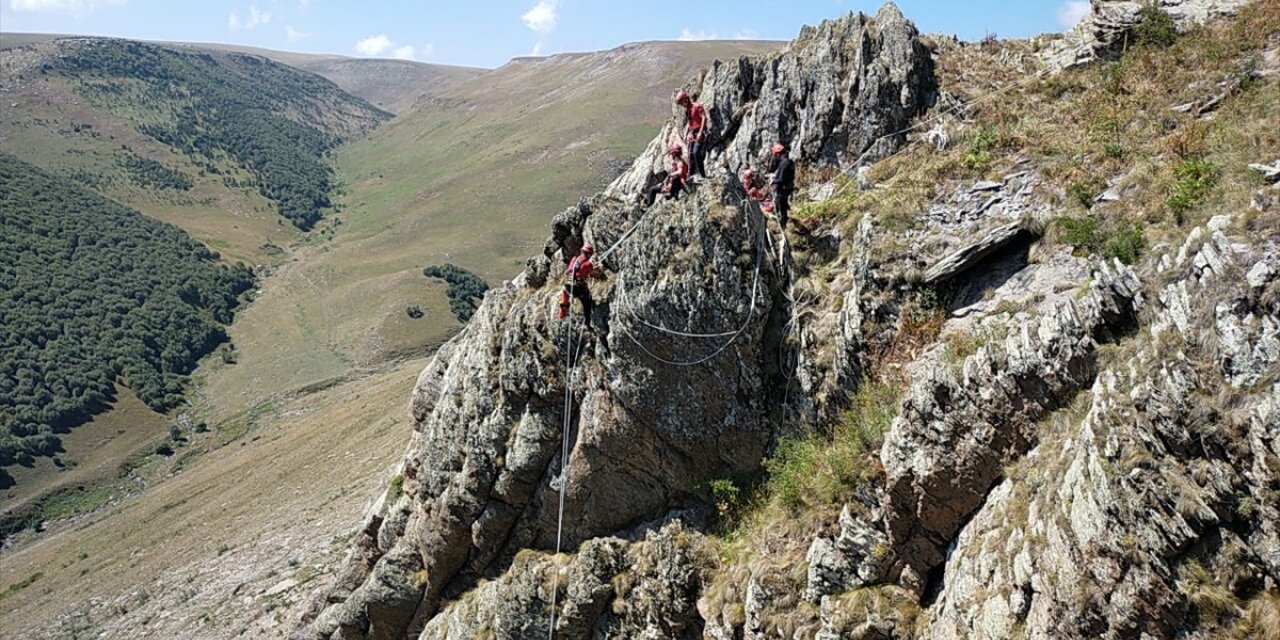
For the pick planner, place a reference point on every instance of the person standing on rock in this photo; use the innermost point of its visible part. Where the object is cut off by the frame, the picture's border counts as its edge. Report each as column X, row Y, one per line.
column 675, row 182
column 784, row 182
column 579, row 270
column 695, row 131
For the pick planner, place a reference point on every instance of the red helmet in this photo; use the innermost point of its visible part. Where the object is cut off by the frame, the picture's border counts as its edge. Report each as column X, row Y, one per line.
column 588, row 248
column 675, row 150
column 748, row 176
column 779, row 148
column 682, row 97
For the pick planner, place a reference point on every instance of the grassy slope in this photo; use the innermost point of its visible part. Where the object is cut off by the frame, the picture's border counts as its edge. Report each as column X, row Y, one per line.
column 194, row 555
column 94, row 451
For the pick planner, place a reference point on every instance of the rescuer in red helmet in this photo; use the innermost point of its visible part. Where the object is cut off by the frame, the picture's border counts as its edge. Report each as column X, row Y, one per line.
column 783, row 180
column 575, row 285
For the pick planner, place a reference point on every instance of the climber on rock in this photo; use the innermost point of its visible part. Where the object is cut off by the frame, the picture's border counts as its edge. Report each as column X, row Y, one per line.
column 676, row 179
column 695, row 132
column 755, row 189
column 575, row 285
column 783, row 180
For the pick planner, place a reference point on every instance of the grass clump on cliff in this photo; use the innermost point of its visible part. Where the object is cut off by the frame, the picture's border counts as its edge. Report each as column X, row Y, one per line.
column 818, row 469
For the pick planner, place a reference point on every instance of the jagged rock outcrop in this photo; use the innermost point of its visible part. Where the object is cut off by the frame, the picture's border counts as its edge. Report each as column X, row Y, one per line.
column 835, row 95
column 1108, row 529
column 1104, row 32
column 652, row 415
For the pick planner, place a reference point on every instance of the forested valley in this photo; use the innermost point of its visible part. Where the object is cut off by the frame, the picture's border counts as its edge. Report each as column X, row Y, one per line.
column 91, row 293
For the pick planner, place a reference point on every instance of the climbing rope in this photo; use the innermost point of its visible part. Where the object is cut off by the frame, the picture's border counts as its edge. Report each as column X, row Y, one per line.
column 630, row 310
column 732, row 335
column 570, row 363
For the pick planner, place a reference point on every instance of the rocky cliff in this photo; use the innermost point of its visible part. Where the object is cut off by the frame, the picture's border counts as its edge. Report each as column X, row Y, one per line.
column 1080, row 439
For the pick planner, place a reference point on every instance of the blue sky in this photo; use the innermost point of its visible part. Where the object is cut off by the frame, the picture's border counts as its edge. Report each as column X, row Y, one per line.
column 487, row 33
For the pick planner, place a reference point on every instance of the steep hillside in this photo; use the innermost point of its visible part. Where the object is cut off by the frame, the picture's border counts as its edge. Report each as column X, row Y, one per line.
column 394, row 85
column 1015, row 375
column 460, row 180
column 211, row 142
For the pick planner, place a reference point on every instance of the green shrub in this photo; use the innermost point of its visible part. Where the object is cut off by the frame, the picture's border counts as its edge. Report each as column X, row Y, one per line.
column 726, row 496
column 1080, row 232
column 395, row 489
column 978, row 157
column 1193, row 179
column 1155, row 27
column 818, row 469
column 1083, row 192
column 1125, row 244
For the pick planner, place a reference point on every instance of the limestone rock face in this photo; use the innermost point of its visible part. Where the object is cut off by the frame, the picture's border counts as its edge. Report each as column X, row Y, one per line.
column 670, row 387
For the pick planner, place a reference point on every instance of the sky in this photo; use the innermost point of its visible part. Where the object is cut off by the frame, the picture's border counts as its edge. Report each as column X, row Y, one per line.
column 487, row 33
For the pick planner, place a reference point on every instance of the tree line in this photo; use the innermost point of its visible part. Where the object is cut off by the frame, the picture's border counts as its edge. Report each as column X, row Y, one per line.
column 465, row 291
column 92, row 292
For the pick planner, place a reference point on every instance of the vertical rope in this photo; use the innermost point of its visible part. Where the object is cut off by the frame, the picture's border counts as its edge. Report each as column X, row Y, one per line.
column 570, row 363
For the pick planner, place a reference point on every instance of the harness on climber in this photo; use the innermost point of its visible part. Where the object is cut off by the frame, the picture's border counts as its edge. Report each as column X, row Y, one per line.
column 576, row 275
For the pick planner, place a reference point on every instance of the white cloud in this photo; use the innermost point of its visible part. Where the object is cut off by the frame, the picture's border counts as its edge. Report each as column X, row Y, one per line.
column 374, row 45
column 304, row 3
column 73, row 6
column 427, row 49
column 542, row 17
column 1072, row 12
column 403, row 53
column 294, row 35
column 687, row 36
column 747, row 34
column 255, row 18
column 537, row 49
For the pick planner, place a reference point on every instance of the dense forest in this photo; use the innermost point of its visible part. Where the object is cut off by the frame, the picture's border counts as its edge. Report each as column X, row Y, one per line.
column 92, row 291
column 465, row 291
column 212, row 110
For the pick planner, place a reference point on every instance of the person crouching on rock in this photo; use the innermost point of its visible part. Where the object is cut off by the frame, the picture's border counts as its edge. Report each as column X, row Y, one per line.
column 783, row 180
column 675, row 182
column 576, row 275
column 756, row 191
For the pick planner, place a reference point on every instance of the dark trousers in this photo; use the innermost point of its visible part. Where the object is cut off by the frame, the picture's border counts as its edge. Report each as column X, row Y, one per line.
column 677, row 185
column 698, row 157
column 580, row 291
column 781, row 205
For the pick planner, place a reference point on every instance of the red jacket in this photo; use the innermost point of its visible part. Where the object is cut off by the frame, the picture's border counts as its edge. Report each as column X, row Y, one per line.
column 697, row 117
column 580, row 268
